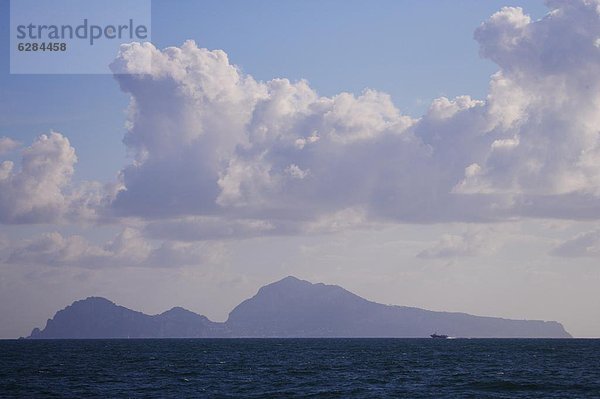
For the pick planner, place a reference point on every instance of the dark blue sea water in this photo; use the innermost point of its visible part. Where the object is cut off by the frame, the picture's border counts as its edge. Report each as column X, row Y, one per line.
column 293, row 368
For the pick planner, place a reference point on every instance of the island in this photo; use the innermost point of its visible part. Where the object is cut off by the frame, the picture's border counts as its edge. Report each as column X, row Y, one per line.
column 288, row 308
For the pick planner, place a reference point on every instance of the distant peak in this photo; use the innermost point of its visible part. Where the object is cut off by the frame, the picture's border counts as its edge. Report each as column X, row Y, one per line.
column 178, row 309
column 291, row 279
column 285, row 285
column 287, row 282
column 95, row 300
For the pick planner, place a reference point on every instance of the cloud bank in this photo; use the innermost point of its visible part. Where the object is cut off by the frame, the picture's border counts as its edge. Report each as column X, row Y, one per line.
column 211, row 141
column 471, row 243
column 219, row 154
column 128, row 248
column 582, row 245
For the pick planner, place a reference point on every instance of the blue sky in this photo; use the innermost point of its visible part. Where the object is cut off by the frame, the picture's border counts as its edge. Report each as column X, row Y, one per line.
column 413, row 50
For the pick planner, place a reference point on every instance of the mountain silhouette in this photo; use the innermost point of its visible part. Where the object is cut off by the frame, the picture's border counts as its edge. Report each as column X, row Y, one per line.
column 287, row 308
column 96, row 317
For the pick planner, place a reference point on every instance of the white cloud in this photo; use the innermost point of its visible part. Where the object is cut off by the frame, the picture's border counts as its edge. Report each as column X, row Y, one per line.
column 128, row 248
column 213, row 146
column 208, row 228
column 35, row 192
column 54, row 249
column 40, row 189
column 344, row 219
column 297, row 173
column 444, row 108
column 199, row 228
column 545, row 99
column 240, row 145
column 301, row 142
column 7, row 144
column 211, row 141
column 582, row 245
column 471, row 243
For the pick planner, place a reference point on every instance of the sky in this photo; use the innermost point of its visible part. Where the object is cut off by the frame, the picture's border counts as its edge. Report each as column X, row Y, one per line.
column 440, row 154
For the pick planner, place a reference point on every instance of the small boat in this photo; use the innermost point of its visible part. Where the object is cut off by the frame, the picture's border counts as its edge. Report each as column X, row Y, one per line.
column 438, row 336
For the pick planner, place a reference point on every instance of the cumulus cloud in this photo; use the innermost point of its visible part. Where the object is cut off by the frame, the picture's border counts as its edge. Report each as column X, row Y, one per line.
column 245, row 147
column 40, row 189
column 128, row 248
column 35, row 192
column 7, row 144
column 218, row 154
column 582, row 245
column 212, row 142
column 545, row 100
column 470, row 243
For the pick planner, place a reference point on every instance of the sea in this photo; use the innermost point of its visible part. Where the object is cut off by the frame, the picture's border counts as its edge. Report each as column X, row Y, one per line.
column 300, row 368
